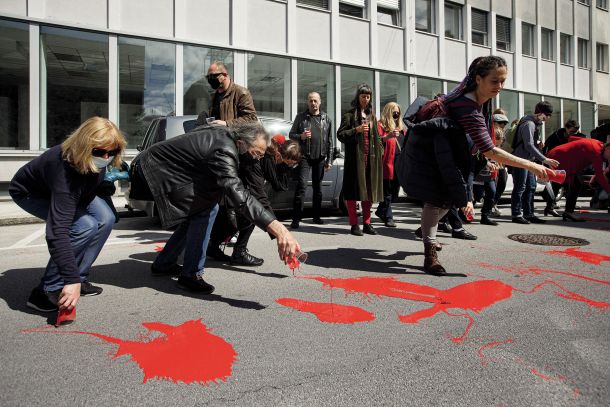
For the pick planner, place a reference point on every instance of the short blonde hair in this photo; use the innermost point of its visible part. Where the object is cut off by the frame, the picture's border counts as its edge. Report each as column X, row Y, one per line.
column 387, row 121
column 95, row 132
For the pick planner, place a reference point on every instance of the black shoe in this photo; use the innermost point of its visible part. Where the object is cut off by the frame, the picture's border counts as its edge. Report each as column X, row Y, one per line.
column 368, row 229
column 535, row 219
column 486, row 221
column 43, row 302
column 294, row 224
column 173, row 270
column 521, row 220
column 89, row 290
column 390, row 223
column 380, row 216
column 463, row 234
column 569, row 217
column 243, row 258
column 550, row 211
column 217, row 254
column 318, row 221
column 418, row 232
column 356, row 230
column 195, row 284
column 444, row 227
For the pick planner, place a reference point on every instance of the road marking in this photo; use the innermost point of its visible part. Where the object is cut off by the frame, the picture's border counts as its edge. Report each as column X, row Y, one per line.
column 28, row 239
column 109, row 242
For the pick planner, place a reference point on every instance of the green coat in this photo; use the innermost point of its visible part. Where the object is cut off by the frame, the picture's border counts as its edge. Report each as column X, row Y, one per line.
column 355, row 174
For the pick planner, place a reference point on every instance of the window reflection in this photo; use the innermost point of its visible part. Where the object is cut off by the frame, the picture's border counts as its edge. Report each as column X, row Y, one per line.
column 269, row 85
column 350, row 79
column 429, row 87
column 197, row 91
column 314, row 77
column 553, row 123
column 394, row 88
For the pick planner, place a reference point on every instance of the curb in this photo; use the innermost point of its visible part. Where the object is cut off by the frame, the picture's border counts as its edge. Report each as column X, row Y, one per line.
column 28, row 220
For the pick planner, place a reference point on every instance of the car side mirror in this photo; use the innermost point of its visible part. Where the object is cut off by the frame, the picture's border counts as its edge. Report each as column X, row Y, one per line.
column 337, row 153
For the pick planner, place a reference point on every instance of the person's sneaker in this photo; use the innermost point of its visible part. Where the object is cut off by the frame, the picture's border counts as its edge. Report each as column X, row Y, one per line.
column 173, row 270
column 217, row 254
column 195, row 285
column 356, row 230
column 318, row 221
column 243, row 258
column 294, row 224
column 521, row 220
column 462, row 234
column 535, row 219
column 43, row 302
column 89, row 290
column 390, row 223
column 495, row 211
column 368, row 229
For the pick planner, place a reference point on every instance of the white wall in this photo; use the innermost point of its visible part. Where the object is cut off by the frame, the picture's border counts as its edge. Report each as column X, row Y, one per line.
column 92, row 12
column 602, row 88
column 503, row 8
column 154, row 17
column 266, row 26
column 564, row 22
column 546, row 18
column 198, row 24
column 582, row 80
column 16, row 7
column 508, row 56
column 481, row 4
column 566, row 80
column 526, row 11
column 313, row 33
column 390, row 47
column 529, row 73
column 480, row 51
column 354, row 41
column 455, row 60
column 548, row 74
column 582, row 21
column 426, row 54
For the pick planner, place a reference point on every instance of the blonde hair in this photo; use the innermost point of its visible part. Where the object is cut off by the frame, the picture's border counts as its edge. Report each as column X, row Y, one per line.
column 95, row 132
column 387, row 121
column 500, row 111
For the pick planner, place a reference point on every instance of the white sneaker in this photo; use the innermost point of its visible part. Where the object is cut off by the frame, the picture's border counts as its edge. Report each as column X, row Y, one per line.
column 496, row 211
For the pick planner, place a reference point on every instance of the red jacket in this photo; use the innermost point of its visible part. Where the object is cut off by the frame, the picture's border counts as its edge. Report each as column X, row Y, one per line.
column 577, row 155
column 390, row 150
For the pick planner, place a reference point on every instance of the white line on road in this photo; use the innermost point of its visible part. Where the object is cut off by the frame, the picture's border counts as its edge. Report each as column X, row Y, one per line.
column 27, row 240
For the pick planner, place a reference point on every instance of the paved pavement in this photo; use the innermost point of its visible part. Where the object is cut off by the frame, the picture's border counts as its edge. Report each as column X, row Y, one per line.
column 513, row 324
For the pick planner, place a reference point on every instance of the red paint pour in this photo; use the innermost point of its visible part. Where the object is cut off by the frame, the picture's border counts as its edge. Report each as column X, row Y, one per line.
column 186, row 353
column 587, row 257
column 489, row 345
column 65, row 316
column 329, row 312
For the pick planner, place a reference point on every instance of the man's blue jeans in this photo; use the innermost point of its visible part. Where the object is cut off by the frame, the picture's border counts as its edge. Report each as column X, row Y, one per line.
column 192, row 237
column 522, row 197
column 88, row 234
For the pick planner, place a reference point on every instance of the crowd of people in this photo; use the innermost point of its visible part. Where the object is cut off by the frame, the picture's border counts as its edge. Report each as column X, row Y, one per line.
column 210, row 184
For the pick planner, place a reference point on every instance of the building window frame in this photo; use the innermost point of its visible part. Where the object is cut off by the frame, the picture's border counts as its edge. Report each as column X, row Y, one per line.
column 503, row 34
column 547, row 44
column 454, row 16
column 389, row 10
column 601, row 60
column 528, row 39
column 565, row 49
column 427, row 12
column 602, row 4
column 354, row 8
column 583, row 53
column 321, row 4
column 480, row 27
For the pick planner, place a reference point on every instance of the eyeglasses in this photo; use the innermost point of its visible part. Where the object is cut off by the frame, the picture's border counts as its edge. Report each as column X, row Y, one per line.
column 215, row 75
column 100, row 152
column 257, row 155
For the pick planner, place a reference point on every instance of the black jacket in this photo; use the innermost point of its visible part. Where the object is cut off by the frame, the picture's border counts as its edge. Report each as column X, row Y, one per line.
column 191, row 172
column 326, row 130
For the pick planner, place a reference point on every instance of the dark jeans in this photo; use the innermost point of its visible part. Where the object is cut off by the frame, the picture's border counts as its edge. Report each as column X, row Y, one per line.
column 453, row 218
column 550, row 196
column 316, row 166
column 244, row 235
column 389, row 191
column 487, row 191
column 522, row 198
column 573, row 191
column 500, row 184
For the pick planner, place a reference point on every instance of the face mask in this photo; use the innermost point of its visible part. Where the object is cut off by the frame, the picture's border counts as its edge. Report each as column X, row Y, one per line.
column 395, row 115
column 214, row 82
column 101, row 163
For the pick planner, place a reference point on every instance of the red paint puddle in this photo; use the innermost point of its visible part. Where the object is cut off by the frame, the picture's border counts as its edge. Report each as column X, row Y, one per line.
column 329, row 312
column 587, row 257
column 490, row 345
column 540, row 271
column 186, row 353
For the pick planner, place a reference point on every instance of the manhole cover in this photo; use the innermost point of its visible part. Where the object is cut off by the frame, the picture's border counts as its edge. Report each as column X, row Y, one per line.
column 548, row 240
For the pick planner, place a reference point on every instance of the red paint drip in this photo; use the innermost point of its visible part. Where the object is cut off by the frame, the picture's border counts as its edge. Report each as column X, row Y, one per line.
column 490, row 345
column 539, row 271
column 186, row 353
column 159, row 248
column 568, row 295
column 587, row 257
column 329, row 312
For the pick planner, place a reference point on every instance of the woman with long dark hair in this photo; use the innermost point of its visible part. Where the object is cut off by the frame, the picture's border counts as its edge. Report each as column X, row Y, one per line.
column 362, row 171
column 439, row 145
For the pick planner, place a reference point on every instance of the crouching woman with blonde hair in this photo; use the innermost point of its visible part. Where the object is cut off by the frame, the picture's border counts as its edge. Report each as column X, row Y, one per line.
column 59, row 186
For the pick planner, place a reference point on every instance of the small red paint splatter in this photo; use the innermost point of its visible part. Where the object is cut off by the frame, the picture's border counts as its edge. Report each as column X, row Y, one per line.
column 159, row 248
column 540, row 271
column 329, row 312
column 489, row 345
column 587, row 257
column 568, row 295
column 186, row 353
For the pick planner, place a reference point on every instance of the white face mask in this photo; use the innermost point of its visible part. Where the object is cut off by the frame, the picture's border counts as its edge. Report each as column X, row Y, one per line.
column 101, row 163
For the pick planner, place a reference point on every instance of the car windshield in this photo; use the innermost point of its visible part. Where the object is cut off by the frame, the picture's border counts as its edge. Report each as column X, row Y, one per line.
column 275, row 127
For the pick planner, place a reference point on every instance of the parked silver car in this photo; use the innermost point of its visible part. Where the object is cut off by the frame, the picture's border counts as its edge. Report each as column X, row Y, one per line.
column 165, row 128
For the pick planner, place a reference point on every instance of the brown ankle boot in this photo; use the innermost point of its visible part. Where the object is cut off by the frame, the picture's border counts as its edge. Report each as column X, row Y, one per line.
column 431, row 263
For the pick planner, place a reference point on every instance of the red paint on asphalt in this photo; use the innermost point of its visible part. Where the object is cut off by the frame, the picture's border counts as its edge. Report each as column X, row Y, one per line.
column 587, row 257
column 490, row 345
column 329, row 312
column 540, row 271
column 186, row 353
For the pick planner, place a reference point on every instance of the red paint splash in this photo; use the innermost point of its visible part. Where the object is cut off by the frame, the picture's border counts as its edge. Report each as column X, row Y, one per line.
column 329, row 312
column 159, row 248
column 587, row 257
column 568, row 295
column 186, row 353
column 539, row 271
column 489, row 345
column 65, row 316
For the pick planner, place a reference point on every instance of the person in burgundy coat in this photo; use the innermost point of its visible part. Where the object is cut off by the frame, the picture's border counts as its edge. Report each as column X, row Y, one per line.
column 576, row 156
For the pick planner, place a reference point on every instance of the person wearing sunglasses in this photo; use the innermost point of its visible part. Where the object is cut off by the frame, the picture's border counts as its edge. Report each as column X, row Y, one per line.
column 60, row 187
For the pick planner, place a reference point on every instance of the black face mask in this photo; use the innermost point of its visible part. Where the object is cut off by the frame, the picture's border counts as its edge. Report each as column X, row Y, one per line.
column 395, row 115
column 214, row 82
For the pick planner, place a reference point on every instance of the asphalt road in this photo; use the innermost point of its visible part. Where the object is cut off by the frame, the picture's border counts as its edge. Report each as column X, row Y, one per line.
column 513, row 325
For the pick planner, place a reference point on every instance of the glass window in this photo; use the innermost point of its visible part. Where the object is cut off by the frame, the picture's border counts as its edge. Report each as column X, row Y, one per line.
column 546, row 42
column 197, row 92
column 269, row 85
column 394, row 88
column 74, row 79
column 354, row 8
column 451, row 85
column 14, row 85
column 565, row 49
column 601, row 52
column 528, row 40
column 529, row 102
column 583, row 53
column 388, row 12
column 553, row 123
column 315, row 3
column 453, row 21
column 424, row 16
column 587, row 117
column 509, row 101
column 315, row 77
column 479, row 27
column 429, row 87
column 350, row 79
column 603, row 4
column 503, row 36
column 570, row 110
column 147, row 86
column 585, row 2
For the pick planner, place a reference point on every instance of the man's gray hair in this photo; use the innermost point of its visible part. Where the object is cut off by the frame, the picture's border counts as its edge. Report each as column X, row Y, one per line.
column 250, row 132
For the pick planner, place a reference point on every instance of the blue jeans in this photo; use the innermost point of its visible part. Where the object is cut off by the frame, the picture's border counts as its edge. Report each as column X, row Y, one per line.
column 192, row 237
column 385, row 207
column 487, row 191
column 522, row 197
column 88, row 234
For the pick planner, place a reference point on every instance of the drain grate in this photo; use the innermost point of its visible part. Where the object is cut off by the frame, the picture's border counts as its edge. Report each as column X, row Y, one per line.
column 548, row 240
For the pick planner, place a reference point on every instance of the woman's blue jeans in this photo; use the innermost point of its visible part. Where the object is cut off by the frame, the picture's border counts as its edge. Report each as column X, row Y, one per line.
column 88, row 234
column 522, row 197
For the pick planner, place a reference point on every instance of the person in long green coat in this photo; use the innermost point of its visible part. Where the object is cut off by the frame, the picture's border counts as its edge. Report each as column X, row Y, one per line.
column 362, row 172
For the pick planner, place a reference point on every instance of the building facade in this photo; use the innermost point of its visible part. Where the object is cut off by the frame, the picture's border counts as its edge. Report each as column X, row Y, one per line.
column 62, row 61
